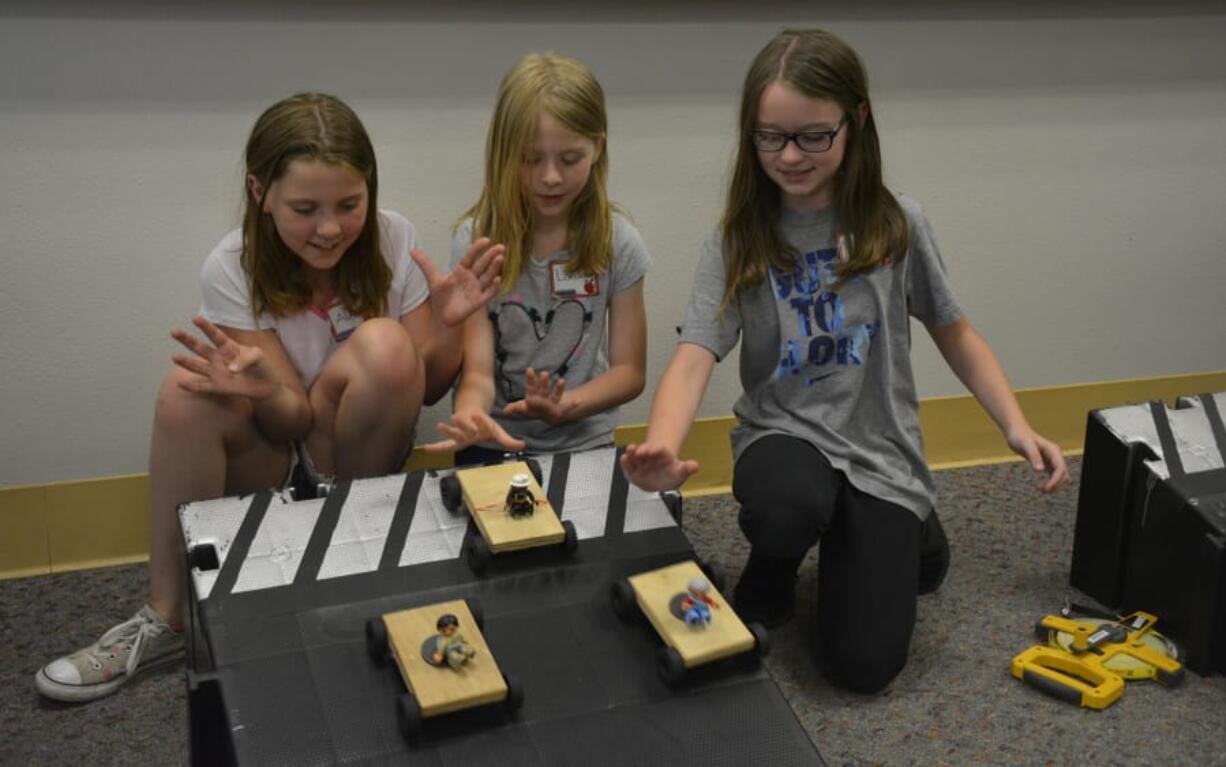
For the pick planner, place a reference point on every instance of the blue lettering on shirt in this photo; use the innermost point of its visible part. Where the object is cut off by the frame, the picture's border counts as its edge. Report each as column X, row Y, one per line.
column 818, row 334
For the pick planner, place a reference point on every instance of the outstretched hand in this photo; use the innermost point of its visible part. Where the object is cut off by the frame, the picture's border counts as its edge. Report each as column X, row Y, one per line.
column 223, row 366
column 469, row 428
column 543, row 399
column 655, row 467
column 1043, row 455
column 467, row 287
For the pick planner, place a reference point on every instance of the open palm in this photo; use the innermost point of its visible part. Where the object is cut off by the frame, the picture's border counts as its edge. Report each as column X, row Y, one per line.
column 468, row 286
column 222, row 365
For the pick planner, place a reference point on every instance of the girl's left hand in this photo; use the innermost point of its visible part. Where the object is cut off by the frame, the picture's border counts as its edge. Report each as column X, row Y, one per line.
column 1043, row 455
column 542, row 400
column 467, row 287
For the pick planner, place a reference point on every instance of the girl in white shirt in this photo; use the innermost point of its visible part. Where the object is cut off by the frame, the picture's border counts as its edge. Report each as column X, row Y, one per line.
column 324, row 327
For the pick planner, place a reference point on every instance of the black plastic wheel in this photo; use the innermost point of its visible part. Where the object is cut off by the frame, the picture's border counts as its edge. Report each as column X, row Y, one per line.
column 477, row 554
column 1170, row 678
column 478, row 610
column 534, row 466
column 376, row 640
column 515, row 693
column 670, row 665
column 1043, row 634
column 449, row 489
column 408, row 715
column 761, row 639
column 203, row 558
column 621, row 595
column 570, row 544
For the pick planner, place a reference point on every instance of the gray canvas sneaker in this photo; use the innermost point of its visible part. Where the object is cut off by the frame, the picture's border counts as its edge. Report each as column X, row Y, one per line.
column 139, row 643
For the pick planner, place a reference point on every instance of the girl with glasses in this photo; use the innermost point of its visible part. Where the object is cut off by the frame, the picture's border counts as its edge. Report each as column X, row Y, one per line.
column 564, row 343
column 323, row 331
column 817, row 269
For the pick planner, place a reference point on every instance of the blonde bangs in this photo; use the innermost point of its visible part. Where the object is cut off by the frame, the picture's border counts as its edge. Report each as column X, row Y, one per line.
column 562, row 87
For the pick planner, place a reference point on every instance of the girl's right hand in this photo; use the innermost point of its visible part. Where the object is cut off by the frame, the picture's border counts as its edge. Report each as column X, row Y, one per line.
column 470, row 427
column 655, row 467
column 225, row 366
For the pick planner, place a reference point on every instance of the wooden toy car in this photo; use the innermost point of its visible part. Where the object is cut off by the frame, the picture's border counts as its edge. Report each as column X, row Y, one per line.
column 493, row 495
column 440, row 681
column 672, row 599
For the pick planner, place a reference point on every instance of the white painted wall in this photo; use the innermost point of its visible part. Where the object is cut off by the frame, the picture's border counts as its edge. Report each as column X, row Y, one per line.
column 1073, row 165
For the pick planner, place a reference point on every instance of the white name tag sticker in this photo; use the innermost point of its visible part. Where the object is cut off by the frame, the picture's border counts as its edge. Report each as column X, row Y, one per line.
column 343, row 323
column 565, row 284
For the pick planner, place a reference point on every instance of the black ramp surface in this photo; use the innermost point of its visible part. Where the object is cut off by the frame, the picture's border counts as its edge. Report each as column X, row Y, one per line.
column 737, row 724
column 295, row 685
column 593, row 696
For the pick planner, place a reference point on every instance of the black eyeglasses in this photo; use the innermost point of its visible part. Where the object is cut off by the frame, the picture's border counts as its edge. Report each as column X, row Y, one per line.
column 809, row 141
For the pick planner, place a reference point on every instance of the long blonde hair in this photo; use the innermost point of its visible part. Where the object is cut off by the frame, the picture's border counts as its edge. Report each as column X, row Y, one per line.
column 562, row 87
column 315, row 127
column 819, row 65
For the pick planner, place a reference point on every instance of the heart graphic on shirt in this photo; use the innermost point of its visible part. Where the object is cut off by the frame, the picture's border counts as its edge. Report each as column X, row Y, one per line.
column 526, row 339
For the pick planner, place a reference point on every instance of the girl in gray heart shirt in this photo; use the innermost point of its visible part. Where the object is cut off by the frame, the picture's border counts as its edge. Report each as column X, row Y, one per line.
column 564, row 342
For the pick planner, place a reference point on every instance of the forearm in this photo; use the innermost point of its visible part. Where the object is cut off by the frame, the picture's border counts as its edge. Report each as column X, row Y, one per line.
column 678, row 396
column 617, row 385
column 285, row 415
column 475, row 392
column 442, row 356
column 973, row 361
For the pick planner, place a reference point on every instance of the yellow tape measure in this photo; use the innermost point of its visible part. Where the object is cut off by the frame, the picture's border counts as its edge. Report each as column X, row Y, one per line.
column 1087, row 661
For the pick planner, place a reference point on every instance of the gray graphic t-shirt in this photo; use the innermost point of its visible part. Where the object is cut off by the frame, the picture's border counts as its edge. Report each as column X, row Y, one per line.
column 831, row 365
column 557, row 322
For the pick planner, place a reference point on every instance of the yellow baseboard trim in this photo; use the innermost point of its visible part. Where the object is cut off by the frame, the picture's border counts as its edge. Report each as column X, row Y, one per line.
column 81, row 524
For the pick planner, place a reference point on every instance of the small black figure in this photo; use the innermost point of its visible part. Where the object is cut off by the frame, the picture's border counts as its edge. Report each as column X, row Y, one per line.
column 520, row 502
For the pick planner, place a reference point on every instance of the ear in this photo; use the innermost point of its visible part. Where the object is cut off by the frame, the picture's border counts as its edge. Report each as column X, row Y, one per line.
column 861, row 114
column 255, row 188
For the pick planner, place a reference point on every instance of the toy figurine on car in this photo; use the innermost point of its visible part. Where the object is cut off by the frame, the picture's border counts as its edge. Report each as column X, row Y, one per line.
column 694, row 604
column 448, row 644
column 446, row 671
column 511, row 511
column 677, row 601
column 520, row 501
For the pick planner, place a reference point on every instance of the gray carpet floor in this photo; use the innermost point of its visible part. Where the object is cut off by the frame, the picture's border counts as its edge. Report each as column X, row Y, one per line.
column 955, row 703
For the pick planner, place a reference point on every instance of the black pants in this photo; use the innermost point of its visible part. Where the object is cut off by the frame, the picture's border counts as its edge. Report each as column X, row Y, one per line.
column 868, row 569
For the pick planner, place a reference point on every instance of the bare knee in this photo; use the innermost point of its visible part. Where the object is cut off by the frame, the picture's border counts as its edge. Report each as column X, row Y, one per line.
column 177, row 408
column 384, row 353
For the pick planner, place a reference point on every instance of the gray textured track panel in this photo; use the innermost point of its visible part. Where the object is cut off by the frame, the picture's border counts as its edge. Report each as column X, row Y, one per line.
column 357, row 543
column 365, row 520
column 1189, row 425
column 586, row 501
column 276, row 550
column 212, row 523
column 436, row 533
column 645, row 511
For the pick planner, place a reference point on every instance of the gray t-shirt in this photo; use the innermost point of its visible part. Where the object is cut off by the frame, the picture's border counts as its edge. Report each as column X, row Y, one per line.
column 555, row 322
column 831, row 367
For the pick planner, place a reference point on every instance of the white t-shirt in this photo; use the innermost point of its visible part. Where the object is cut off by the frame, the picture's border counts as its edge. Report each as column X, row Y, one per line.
column 306, row 336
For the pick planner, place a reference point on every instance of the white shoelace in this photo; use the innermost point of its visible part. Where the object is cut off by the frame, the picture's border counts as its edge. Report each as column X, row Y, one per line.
column 134, row 632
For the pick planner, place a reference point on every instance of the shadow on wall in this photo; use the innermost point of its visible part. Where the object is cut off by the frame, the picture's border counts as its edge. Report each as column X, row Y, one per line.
column 680, row 47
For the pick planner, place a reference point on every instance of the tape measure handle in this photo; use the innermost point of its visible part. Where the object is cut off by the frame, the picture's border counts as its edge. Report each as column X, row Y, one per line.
column 1045, row 684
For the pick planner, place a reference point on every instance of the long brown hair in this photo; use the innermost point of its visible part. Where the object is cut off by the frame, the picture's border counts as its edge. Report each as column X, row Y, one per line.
column 313, row 126
column 564, row 88
column 819, row 65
